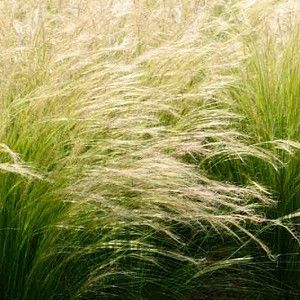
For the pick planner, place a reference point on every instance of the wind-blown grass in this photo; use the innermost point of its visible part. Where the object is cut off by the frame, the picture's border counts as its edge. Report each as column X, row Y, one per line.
column 140, row 157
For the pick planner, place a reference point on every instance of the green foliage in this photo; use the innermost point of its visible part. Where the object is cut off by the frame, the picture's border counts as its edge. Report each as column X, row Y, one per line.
column 149, row 149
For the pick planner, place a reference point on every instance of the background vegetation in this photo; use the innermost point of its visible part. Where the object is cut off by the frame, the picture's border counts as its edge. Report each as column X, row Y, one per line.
column 149, row 149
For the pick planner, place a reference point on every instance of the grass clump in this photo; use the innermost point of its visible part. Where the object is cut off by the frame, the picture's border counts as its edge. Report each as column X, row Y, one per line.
column 147, row 150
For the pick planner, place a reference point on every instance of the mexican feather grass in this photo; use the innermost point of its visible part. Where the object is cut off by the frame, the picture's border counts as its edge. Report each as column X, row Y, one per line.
column 149, row 149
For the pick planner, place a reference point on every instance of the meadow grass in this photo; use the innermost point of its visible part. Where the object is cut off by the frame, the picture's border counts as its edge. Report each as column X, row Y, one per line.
column 149, row 149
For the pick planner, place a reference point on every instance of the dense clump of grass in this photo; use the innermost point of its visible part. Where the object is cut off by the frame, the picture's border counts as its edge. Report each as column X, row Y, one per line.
column 139, row 153
column 266, row 97
column 272, row 90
